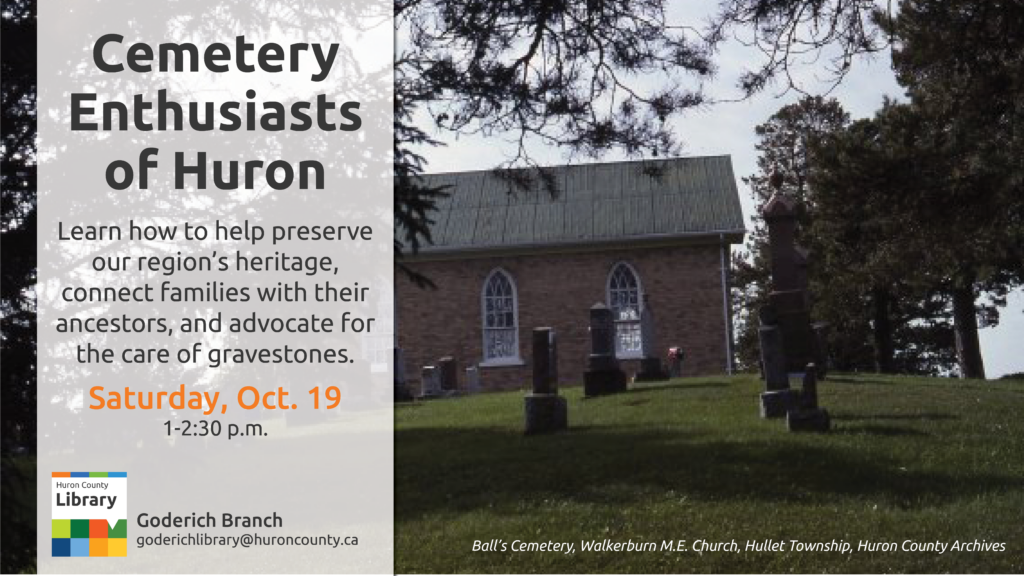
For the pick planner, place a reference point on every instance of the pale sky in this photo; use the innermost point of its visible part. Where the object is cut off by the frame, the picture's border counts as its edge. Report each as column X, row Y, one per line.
column 728, row 128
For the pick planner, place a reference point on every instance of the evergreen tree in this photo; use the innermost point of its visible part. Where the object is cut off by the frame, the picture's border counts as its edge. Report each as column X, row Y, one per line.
column 866, row 236
column 18, row 226
column 960, row 62
column 17, row 279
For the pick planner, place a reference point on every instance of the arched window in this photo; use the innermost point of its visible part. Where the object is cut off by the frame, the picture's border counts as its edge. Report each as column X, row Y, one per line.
column 624, row 298
column 500, row 318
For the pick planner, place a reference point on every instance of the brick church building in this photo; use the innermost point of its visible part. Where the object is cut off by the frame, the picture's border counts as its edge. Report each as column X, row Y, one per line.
column 505, row 261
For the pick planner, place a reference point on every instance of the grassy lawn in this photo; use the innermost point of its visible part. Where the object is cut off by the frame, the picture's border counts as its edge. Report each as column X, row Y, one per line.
column 908, row 459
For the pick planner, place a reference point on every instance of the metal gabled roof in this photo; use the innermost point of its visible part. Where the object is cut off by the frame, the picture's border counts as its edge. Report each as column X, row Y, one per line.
column 591, row 203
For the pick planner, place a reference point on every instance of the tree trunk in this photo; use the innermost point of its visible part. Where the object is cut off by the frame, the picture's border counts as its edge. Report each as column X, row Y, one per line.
column 965, row 326
column 882, row 331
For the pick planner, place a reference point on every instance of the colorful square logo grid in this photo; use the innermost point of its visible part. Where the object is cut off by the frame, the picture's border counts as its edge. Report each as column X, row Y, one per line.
column 89, row 538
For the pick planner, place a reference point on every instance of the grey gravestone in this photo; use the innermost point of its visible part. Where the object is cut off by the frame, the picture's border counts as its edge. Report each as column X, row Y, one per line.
column 430, row 382
column 546, row 411
column 401, row 386
column 807, row 416
column 675, row 362
column 603, row 375
column 821, row 348
column 472, row 379
column 448, row 374
column 651, row 369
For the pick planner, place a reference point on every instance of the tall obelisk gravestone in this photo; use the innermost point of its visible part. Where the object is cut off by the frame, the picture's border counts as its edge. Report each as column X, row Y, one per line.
column 789, row 298
column 789, row 343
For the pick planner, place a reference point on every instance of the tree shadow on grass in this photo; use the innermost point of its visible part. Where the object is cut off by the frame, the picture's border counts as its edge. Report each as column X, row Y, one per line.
column 882, row 431
column 923, row 417
column 862, row 381
column 460, row 470
column 656, row 387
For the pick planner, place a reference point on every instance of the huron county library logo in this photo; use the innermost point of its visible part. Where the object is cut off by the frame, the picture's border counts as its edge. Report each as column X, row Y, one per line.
column 90, row 514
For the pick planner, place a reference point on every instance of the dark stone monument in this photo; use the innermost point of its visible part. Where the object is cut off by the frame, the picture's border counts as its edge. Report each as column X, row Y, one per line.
column 789, row 298
column 546, row 411
column 821, row 348
column 790, row 345
column 603, row 375
column 777, row 398
column 402, row 393
column 651, row 369
column 807, row 416
column 545, row 361
column 448, row 374
column 809, row 389
column 430, row 386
